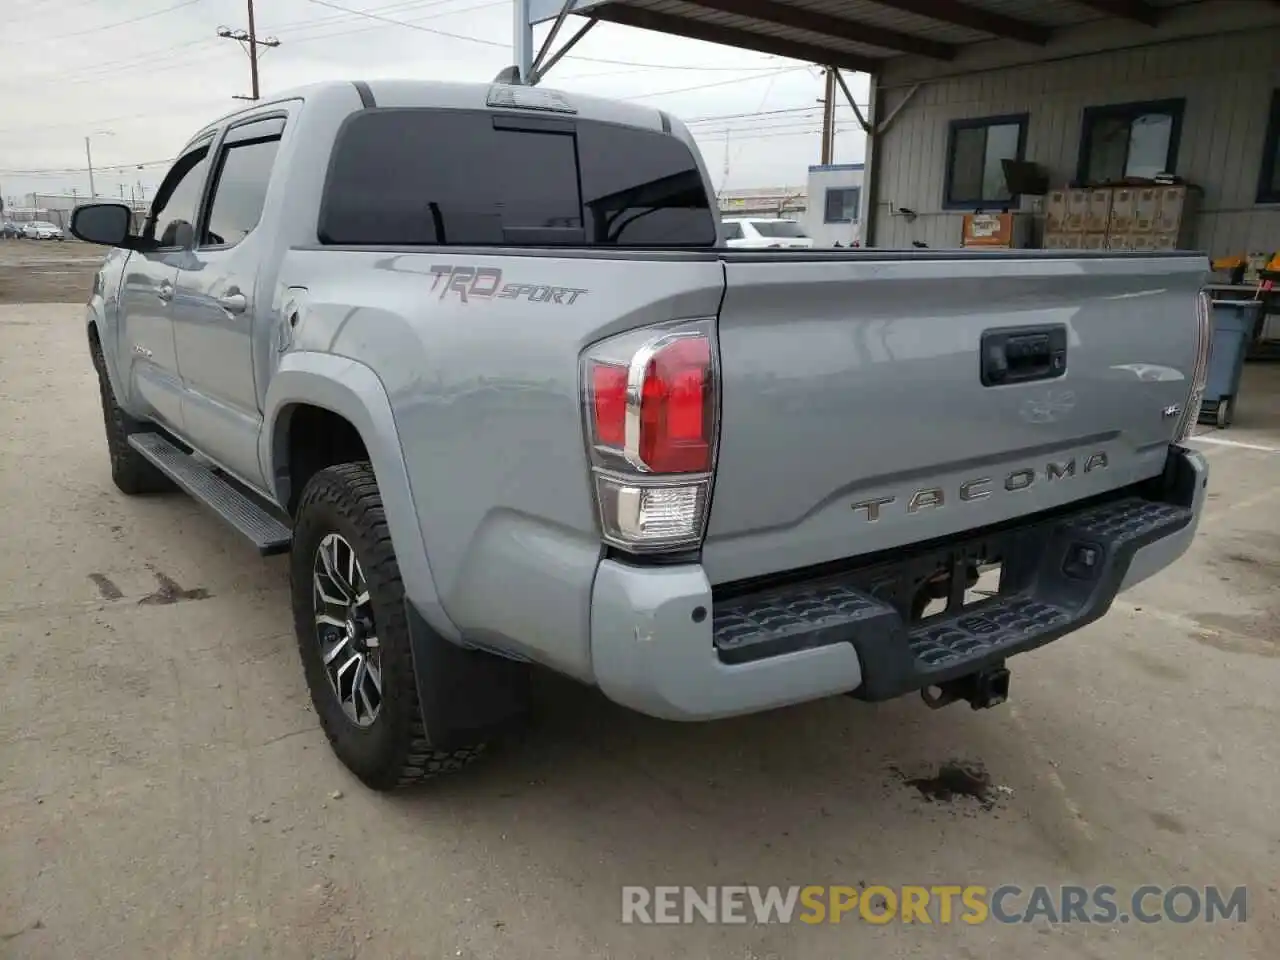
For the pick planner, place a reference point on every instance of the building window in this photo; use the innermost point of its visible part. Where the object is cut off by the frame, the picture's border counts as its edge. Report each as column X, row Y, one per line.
column 1129, row 140
column 1269, row 181
column 842, row 204
column 975, row 149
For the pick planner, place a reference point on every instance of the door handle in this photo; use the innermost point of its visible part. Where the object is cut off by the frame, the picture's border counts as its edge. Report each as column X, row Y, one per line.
column 165, row 291
column 1024, row 354
column 233, row 302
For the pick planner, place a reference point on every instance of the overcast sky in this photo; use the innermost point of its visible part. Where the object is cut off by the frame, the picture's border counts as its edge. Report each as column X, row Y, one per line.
column 140, row 76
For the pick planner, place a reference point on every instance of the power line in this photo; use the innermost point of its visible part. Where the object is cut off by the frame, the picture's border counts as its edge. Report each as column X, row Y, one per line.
column 505, row 46
column 762, row 113
column 45, row 7
column 119, row 23
column 714, row 83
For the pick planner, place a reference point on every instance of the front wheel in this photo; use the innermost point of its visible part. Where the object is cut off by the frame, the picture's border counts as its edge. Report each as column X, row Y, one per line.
column 353, row 633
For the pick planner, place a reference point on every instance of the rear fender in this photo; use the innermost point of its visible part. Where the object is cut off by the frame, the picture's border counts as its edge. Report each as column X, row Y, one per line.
column 353, row 391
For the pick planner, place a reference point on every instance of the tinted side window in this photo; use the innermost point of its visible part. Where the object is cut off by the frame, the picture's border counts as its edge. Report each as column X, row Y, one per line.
column 174, row 211
column 240, row 191
column 449, row 177
column 642, row 189
column 405, row 176
column 732, row 231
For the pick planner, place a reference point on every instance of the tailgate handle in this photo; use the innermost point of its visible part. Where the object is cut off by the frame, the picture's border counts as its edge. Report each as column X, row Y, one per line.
column 1023, row 354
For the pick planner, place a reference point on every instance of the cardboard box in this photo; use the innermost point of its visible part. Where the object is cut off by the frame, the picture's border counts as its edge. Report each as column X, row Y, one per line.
column 1077, row 209
column 1146, row 208
column 1171, row 208
column 1064, row 241
column 1098, row 210
column 1122, row 200
column 1055, row 212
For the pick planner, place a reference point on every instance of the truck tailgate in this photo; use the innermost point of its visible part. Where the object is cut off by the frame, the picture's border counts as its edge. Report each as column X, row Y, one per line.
column 854, row 413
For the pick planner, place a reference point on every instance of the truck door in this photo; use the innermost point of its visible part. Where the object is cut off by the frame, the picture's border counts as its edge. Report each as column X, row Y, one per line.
column 217, row 301
column 146, row 345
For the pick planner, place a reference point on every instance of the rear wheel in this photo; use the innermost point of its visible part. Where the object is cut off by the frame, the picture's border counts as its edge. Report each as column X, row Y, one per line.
column 133, row 474
column 353, row 634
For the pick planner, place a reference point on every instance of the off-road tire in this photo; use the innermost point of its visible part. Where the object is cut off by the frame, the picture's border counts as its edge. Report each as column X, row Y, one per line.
column 394, row 750
column 132, row 472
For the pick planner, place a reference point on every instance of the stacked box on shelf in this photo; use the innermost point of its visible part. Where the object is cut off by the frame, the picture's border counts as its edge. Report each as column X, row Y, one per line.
column 1155, row 217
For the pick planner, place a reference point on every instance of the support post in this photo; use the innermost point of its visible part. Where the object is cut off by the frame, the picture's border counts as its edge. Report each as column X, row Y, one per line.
column 828, row 117
column 88, row 156
column 523, row 41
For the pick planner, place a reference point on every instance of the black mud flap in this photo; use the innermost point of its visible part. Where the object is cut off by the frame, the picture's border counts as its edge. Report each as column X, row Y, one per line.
column 467, row 696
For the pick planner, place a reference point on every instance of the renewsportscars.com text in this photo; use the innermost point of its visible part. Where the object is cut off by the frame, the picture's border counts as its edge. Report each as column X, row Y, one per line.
column 937, row 904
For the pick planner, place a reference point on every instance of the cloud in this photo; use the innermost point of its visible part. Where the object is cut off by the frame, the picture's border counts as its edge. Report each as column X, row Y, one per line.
column 140, row 76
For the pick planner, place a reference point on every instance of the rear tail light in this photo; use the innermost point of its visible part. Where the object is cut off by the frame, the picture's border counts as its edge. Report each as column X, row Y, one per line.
column 651, row 405
column 1200, row 372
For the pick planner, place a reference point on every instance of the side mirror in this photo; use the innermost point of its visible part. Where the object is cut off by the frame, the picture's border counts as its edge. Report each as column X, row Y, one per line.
column 102, row 223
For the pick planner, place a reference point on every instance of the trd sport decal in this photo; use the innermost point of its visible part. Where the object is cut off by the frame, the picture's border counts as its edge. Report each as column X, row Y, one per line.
column 485, row 283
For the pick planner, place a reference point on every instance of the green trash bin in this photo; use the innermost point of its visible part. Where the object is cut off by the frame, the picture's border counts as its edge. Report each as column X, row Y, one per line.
column 1233, row 324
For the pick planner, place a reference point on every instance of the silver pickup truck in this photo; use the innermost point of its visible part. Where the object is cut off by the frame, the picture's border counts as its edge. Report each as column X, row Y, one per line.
column 476, row 356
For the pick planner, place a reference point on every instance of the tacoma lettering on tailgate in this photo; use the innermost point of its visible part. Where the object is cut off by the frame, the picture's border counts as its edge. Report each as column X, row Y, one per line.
column 980, row 487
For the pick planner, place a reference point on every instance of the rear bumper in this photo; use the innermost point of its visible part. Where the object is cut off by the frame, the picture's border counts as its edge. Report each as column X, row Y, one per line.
column 662, row 644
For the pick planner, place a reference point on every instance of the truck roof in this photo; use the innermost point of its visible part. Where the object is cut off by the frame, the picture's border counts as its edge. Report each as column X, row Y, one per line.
column 451, row 95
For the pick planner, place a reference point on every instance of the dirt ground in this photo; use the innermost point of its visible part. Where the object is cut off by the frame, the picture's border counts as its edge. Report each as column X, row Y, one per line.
column 46, row 271
column 165, row 790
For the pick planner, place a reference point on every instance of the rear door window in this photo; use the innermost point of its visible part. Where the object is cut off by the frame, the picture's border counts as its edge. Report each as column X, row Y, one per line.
column 477, row 178
column 240, row 191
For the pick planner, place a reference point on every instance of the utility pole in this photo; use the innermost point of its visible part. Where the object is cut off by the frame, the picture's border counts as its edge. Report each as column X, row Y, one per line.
column 88, row 156
column 829, row 117
column 724, row 180
column 249, row 40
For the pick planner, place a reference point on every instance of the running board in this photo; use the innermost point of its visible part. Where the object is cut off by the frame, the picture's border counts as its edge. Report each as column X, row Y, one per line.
column 243, row 512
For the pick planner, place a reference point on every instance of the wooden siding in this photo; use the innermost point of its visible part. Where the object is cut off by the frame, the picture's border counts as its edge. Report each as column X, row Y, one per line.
column 1227, row 82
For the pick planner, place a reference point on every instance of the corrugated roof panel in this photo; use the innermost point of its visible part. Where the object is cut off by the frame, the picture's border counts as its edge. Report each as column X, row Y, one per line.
column 734, row 21
column 855, row 11
column 864, row 11
column 1048, row 13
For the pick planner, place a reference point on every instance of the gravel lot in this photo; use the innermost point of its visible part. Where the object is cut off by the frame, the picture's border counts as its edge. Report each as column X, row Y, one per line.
column 45, row 271
column 165, row 790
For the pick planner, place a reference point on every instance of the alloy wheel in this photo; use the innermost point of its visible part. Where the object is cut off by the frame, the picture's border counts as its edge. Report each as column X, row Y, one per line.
column 345, row 630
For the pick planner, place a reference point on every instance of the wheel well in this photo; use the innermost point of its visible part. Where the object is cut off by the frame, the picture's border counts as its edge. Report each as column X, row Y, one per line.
column 318, row 438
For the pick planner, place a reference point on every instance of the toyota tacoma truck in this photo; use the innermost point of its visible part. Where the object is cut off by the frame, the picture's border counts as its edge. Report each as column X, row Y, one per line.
column 477, row 358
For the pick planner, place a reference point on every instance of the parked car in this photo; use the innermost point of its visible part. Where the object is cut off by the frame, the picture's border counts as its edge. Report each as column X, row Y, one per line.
column 42, row 230
column 514, row 403
column 10, row 230
column 762, row 233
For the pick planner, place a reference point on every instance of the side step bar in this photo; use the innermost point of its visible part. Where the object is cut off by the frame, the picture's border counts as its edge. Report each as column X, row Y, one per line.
column 243, row 512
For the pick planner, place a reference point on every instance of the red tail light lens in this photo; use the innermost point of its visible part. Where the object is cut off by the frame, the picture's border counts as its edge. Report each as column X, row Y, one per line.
column 675, row 426
column 651, row 409
column 672, row 428
column 609, row 404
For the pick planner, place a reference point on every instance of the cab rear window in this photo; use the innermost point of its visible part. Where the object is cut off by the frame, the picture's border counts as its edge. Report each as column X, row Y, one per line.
column 479, row 178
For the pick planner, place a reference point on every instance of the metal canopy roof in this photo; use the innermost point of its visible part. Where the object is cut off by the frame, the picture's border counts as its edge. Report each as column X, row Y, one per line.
column 859, row 34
